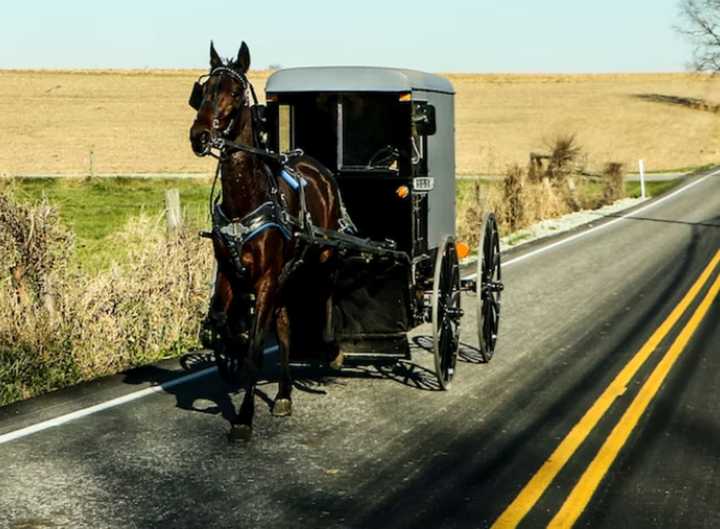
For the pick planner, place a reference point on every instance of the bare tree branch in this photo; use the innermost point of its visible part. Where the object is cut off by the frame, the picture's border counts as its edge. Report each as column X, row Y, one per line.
column 700, row 24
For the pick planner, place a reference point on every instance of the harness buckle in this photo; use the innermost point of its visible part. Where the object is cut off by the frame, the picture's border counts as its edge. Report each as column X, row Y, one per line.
column 236, row 230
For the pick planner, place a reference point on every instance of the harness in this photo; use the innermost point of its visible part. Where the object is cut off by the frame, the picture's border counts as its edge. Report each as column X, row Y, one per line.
column 235, row 233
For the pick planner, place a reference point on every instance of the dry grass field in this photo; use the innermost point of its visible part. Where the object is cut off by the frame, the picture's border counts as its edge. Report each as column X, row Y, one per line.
column 137, row 121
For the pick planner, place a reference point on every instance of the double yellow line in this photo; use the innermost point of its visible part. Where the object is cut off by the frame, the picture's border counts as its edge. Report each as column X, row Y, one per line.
column 588, row 483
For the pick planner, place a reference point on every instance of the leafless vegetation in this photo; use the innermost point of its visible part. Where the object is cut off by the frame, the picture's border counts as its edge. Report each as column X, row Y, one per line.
column 613, row 182
column 514, row 197
column 700, row 24
column 563, row 158
column 60, row 325
column 553, row 184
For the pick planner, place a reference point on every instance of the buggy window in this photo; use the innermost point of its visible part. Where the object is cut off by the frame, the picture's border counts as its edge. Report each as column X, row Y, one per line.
column 370, row 131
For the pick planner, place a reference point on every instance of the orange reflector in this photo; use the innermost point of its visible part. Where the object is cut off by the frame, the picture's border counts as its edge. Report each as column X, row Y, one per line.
column 463, row 250
column 406, row 97
column 402, row 191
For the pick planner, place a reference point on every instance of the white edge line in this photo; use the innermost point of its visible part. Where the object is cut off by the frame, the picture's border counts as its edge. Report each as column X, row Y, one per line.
column 119, row 401
column 603, row 226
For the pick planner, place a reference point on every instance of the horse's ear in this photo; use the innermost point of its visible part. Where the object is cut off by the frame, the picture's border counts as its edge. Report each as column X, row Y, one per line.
column 243, row 58
column 215, row 59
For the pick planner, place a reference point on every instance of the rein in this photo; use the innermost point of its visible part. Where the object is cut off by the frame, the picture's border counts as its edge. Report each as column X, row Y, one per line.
column 225, row 147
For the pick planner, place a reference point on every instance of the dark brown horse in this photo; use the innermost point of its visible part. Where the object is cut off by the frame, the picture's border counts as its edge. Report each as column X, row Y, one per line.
column 248, row 302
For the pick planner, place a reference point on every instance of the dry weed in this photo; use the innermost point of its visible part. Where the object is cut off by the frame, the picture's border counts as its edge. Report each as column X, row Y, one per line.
column 613, row 182
column 514, row 198
column 98, row 324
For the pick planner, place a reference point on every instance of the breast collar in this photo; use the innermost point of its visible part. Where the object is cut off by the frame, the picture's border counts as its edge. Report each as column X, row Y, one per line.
column 267, row 215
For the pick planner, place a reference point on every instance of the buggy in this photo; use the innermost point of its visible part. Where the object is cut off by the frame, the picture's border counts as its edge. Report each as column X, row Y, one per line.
column 388, row 135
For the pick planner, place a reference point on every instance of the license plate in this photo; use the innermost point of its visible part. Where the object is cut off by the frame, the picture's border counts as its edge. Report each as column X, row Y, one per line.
column 423, row 184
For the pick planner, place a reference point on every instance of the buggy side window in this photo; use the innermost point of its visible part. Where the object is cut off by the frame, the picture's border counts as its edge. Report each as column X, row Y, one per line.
column 285, row 128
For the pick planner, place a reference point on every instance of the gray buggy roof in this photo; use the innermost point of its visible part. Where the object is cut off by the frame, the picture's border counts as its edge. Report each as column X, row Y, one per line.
column 355, row 79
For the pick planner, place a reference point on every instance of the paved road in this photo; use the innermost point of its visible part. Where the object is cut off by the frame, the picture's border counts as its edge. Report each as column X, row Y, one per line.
column 600, row 409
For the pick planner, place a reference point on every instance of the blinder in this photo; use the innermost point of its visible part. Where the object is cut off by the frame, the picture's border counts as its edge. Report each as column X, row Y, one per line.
column 259, row 118
column 196, row 96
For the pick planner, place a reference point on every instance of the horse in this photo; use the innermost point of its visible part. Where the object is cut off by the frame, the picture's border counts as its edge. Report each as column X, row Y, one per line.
column 252, row 235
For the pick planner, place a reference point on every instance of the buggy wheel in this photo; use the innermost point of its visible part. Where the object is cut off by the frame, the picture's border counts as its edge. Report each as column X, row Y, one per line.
column 489, row 286
column 446, row 311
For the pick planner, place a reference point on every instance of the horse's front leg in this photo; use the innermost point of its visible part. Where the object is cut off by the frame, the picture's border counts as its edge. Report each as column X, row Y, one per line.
column 265, row 293
column 213, row 329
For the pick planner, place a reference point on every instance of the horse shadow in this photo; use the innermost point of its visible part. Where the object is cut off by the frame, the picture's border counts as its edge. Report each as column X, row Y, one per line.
column 212, row 395
column 203, row 395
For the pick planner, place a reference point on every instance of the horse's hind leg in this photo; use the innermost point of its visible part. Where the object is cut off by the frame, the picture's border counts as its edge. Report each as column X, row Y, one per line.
column 283, row 403
column 334, row 353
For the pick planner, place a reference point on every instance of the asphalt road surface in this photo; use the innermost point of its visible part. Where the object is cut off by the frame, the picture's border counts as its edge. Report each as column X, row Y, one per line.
column 601, row 408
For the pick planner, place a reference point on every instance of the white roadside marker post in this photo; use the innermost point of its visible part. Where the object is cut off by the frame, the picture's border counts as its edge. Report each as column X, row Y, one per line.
column 642, row 179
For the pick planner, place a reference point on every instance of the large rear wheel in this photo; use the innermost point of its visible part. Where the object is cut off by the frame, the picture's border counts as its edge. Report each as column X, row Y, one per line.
column 446, row 311
column 489, row 286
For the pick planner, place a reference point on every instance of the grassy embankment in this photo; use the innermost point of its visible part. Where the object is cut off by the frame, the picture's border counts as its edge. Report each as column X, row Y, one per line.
column 96, row 210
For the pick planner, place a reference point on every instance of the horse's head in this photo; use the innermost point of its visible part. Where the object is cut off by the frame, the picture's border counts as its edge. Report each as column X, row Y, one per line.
column 220, row 100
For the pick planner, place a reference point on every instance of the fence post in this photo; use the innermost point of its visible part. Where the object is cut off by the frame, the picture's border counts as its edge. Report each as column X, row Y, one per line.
column 642, row 179
column 91, row 164
column 173, row 213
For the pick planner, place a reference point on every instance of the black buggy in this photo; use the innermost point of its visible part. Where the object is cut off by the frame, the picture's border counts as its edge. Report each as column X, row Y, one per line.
column 389, row 137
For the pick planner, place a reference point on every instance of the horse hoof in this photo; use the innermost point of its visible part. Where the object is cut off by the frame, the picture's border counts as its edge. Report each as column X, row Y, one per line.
column 338, row 362
column 282, row 408
column 240, row 432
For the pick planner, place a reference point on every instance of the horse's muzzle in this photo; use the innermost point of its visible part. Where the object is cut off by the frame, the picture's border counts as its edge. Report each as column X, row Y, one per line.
column 200, row 140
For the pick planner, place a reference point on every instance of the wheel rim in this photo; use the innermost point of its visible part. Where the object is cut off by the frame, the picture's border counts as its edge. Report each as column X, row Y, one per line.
column 446, row 312
column 489, row 287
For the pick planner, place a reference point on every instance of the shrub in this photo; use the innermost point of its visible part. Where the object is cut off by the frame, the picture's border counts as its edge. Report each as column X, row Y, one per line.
column 613, row 182
column 471, row 208
column 565, row 154
column 514, row 197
